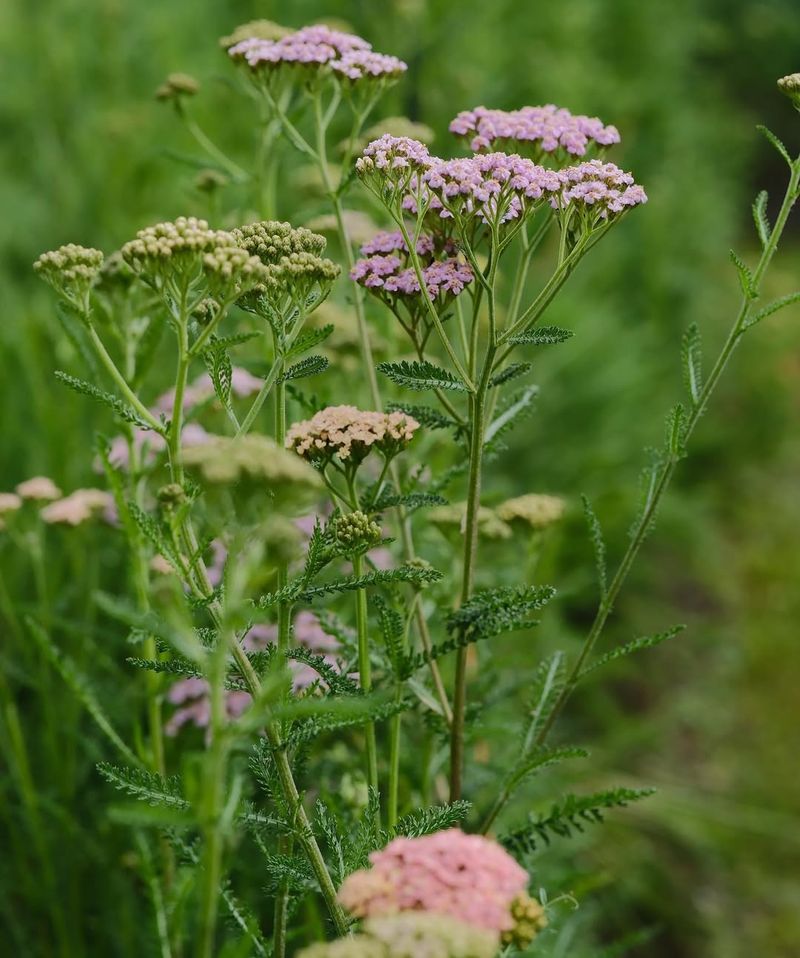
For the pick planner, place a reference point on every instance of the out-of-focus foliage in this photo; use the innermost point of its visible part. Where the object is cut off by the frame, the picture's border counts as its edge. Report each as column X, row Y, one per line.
column 88, row 155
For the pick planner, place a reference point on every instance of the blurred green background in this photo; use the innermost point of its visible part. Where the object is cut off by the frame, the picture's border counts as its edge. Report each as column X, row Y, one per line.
column 711, row 864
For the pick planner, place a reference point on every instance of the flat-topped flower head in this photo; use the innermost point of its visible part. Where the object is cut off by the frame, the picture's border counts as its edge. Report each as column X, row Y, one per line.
column 39, row 488
column 420, row 935
column 596, row 193
column 254, row 30
column 78, row 507
column 467, row 877
column 173, row 255
column 224, row 460
column 177, row 87
column 484, row 189
column 544, row 130
column 72, row 271
column 397, row 126
column 350, row 434
column 318, row 51
column 356, row 533
column 294, row 270
column 386, row 270
column 534, row 509
column 9, row 502
column 388, row 164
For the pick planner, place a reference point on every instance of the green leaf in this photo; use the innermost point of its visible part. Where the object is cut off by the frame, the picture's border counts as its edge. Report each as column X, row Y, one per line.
column 411, row 501
column 421, row 375
column 776, row 143
column 520, row 405
column 404, row 573
column 494, row 611
column 218, row 364
column 760, row 217
column 145, row 786
column 676, row 431
column 309, row 339
column 424, row 821
column 771, row 308
column 745, row 276
column 572, row 815
column 118, row 407
column 425, row 415
column 542, row 336
column 548, row 684
column 392, row 628
column 80, row 686
column 636, row 645
column 692, row 357
column 538, row 761
column 310, row 366
column 510, row 372
column 598, row 545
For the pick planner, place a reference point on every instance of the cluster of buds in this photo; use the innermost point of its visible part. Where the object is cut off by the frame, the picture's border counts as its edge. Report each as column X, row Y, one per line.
column 176, row 87
column 172, row 256
column 388, row 165
column 386, row 271
column 350, row 434
column 356, row 533
column 529, row 919
column 546, row 131
column 536, row 510
column 319, row 52
column 72, row 271
column 225, row 461
column 294, row 272
column 790, row 86
column 254, row 30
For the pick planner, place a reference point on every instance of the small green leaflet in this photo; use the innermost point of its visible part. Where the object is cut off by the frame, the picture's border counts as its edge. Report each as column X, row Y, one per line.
column 421, row 375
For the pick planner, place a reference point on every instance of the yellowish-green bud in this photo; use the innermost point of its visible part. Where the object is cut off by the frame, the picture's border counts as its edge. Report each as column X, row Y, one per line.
column 790, row 86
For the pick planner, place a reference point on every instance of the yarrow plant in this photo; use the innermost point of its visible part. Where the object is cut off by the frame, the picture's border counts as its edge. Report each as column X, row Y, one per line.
column 309, row 677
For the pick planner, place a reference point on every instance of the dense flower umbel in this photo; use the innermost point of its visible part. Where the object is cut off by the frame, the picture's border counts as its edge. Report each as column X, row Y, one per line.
column 356, row 532
column 318, row 48
column 529, row 919
column 790, row 85
column 545, row 129
column 468, row 877
column 411, row 935
column 350, row 434
column 224, row 460
column 39, row 488
column 493, row 188
column 71, row 270
column 598, row 191
column 389, row 164
column 535, row 509
column 176, row 86
column 292, row 265
column 254, row 30
column 386, row 271
column 178, row 252
column 78, row 507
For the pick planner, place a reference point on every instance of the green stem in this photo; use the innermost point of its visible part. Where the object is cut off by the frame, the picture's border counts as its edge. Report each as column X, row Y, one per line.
column 394, row 764
column 477, row 410
column 233, row 169
column 121, row 383
column 365, row 676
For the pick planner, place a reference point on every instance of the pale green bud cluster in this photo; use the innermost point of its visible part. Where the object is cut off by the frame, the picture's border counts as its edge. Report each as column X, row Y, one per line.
column 529, row 919
column 271, row 241
column 227, row 460
column 71, row 270
column 176, row 86
column 356, row 532
column 260, row 29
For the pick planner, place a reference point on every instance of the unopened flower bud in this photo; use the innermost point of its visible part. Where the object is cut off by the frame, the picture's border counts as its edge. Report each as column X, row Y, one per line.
column 790, row 85
column 529, row 919
column 356, row 532
column 176, row 86
column 171, row 495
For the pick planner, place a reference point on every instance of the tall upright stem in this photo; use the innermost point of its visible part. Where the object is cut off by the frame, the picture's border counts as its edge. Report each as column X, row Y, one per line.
column 477, row 428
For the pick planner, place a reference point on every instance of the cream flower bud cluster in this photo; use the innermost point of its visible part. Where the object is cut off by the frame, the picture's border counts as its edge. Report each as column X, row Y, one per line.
column 356, row 531
column 71, row 270
column 350, row 434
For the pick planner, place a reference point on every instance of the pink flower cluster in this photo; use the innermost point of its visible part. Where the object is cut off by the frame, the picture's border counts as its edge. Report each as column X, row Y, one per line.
column 319, row 46
column 495, row 187
column 192, row 693
column 601, row 189
column 396, row 157
column 350, row 434
column 546, row 128
column 386, row 271
column 466, row 877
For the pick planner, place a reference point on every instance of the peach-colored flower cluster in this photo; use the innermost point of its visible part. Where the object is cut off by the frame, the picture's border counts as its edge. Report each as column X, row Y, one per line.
column 78, row 507
column 350, row 434
column 468, row 877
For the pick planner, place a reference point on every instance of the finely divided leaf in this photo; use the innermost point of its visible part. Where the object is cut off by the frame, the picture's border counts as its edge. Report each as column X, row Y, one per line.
column 771, row 308
column 310, row 366
column 776, row 143
column 760, row 217
column 692, row 356
column 421, row 375
column 636, row 645
column 509, row 373
column 118, row 407
column 542, row 336
column 598, row 545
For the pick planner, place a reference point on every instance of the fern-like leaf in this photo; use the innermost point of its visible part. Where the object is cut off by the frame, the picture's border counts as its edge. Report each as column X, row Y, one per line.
column 424, row 821
column 421, row 375
column 120, row 409
column 635, row 645
column 598, row 545
column 692, row 358
column 510, row 372
column 310, row 366
column 760, row 217
column 542, row 336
